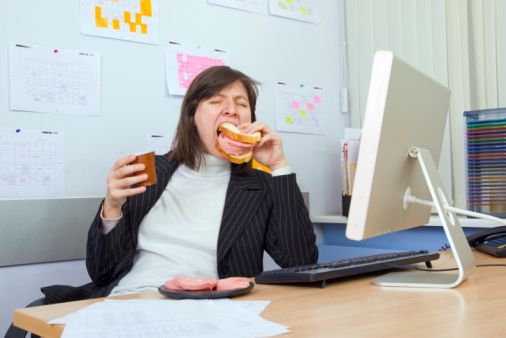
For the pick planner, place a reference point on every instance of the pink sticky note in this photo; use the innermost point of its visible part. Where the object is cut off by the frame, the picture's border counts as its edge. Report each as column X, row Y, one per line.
column 316, row 99
column 310, row 106
column 295, row 105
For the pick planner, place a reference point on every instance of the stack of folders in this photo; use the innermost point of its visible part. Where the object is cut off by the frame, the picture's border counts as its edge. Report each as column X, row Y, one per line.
column 349, row 159
column 486, row 161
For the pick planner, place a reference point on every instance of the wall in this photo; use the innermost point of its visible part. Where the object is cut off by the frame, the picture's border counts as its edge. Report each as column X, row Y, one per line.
column 135, row 101
column 20, row 285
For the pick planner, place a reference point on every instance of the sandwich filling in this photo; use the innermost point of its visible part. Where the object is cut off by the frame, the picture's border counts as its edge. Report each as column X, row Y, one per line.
column 234, row 147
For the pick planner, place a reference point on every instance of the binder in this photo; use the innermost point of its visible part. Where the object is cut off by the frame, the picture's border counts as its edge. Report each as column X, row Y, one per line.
column 485, row 142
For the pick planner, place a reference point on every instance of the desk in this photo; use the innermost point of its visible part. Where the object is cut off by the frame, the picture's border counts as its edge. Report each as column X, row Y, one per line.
column 355, row 308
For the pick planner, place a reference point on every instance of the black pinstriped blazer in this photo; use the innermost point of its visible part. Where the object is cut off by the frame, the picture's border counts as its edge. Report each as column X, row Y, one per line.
column 261, row 212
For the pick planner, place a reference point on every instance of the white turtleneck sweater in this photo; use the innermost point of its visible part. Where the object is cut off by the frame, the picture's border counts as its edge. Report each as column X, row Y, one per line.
column 179, row 234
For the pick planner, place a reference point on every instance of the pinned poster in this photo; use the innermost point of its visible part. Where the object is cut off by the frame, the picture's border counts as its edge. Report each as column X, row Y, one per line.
column 133, row 20
column 256, row 6
column 298, row 109
column 53, row 80
column 159, row 143
column 183, row 64
column 302, row 10
column 31, row 163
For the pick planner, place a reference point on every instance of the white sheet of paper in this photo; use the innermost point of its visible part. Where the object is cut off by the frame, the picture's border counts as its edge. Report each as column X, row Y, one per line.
column 299, row 109
column 133, row 20
column 183, row 64
column 254, row 306
column 52, row 80
column 31, row 163
column 166, row 318
column 257, row 6
column 303, row 10
column 159, row 143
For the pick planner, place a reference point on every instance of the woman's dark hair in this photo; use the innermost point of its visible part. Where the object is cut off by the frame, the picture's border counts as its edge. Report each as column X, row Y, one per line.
column 187, row 147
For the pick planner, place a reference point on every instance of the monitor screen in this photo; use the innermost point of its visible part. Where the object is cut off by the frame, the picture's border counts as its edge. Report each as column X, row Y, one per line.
column 405, row 108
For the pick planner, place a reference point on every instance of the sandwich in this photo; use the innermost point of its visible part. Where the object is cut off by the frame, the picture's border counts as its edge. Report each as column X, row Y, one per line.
column 234, row 145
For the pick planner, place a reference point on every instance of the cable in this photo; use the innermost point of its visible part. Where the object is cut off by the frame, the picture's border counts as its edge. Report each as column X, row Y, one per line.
column 441, row 270
column 413, row 199
column 486, row 265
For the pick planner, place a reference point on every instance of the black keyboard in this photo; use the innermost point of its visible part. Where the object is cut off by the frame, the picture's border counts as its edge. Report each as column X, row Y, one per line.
column 321, row 272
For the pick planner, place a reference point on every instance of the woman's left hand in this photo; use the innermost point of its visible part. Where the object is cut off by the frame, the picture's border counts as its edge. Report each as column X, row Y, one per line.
column 269, row 151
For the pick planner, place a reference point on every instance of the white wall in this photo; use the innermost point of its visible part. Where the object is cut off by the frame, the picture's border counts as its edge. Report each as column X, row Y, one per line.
column 135, row 101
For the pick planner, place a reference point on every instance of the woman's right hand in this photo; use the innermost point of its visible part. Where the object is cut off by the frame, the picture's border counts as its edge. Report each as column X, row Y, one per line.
column 120, row 179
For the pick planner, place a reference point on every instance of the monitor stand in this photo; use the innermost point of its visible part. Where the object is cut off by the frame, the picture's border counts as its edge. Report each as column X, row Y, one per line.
column 456, row 238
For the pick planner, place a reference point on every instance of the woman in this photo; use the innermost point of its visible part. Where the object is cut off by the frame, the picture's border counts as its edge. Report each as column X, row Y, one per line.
column 205, row 216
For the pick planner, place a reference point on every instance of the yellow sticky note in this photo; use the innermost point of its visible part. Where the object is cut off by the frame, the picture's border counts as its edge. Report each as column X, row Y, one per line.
column 304, row 10
column 126, row 15
column 138, row 18
column 288, row 120
column 289, row 2
column 303, row 113
column 281, row 5
column 115, row 24
column 146, row 8
column 99, row 20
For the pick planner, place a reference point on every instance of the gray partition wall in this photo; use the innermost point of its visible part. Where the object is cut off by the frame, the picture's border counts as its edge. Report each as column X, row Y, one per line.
column 37, row 231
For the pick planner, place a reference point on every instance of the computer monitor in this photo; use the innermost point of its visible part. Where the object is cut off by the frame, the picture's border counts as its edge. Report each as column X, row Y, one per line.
column 397, row 181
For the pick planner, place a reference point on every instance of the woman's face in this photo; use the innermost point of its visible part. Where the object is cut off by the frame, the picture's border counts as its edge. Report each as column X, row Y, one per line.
column 231, row 105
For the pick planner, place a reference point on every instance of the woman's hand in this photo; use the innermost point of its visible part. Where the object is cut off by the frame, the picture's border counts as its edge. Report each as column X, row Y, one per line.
column 269, row 151
column 119, row 181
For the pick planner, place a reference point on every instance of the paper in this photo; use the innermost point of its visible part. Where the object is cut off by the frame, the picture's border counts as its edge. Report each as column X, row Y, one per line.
column 303, row 10
column 183, row 64
column 31, row 163
column 134, row 20
column 349, row 157
column 299, row 110
column 167, row 318
column 257, row 6
column 53, row 80
column 254, row 306
column 158, row 143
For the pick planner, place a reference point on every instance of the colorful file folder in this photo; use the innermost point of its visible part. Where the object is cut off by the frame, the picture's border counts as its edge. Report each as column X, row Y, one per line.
column 486, row 161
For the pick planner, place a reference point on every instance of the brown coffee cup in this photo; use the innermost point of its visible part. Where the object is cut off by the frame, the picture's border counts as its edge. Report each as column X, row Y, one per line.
column 148, row 159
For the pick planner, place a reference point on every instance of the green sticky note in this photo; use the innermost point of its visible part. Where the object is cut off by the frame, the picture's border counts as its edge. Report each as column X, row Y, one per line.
column 303, row 113
column 288, row 120
column 281, row 5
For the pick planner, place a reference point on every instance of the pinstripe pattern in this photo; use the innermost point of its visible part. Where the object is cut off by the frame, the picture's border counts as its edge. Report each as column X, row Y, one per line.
column 260, row 213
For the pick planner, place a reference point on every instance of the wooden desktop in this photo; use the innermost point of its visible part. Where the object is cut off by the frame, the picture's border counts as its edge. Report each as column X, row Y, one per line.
column 355, row 307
